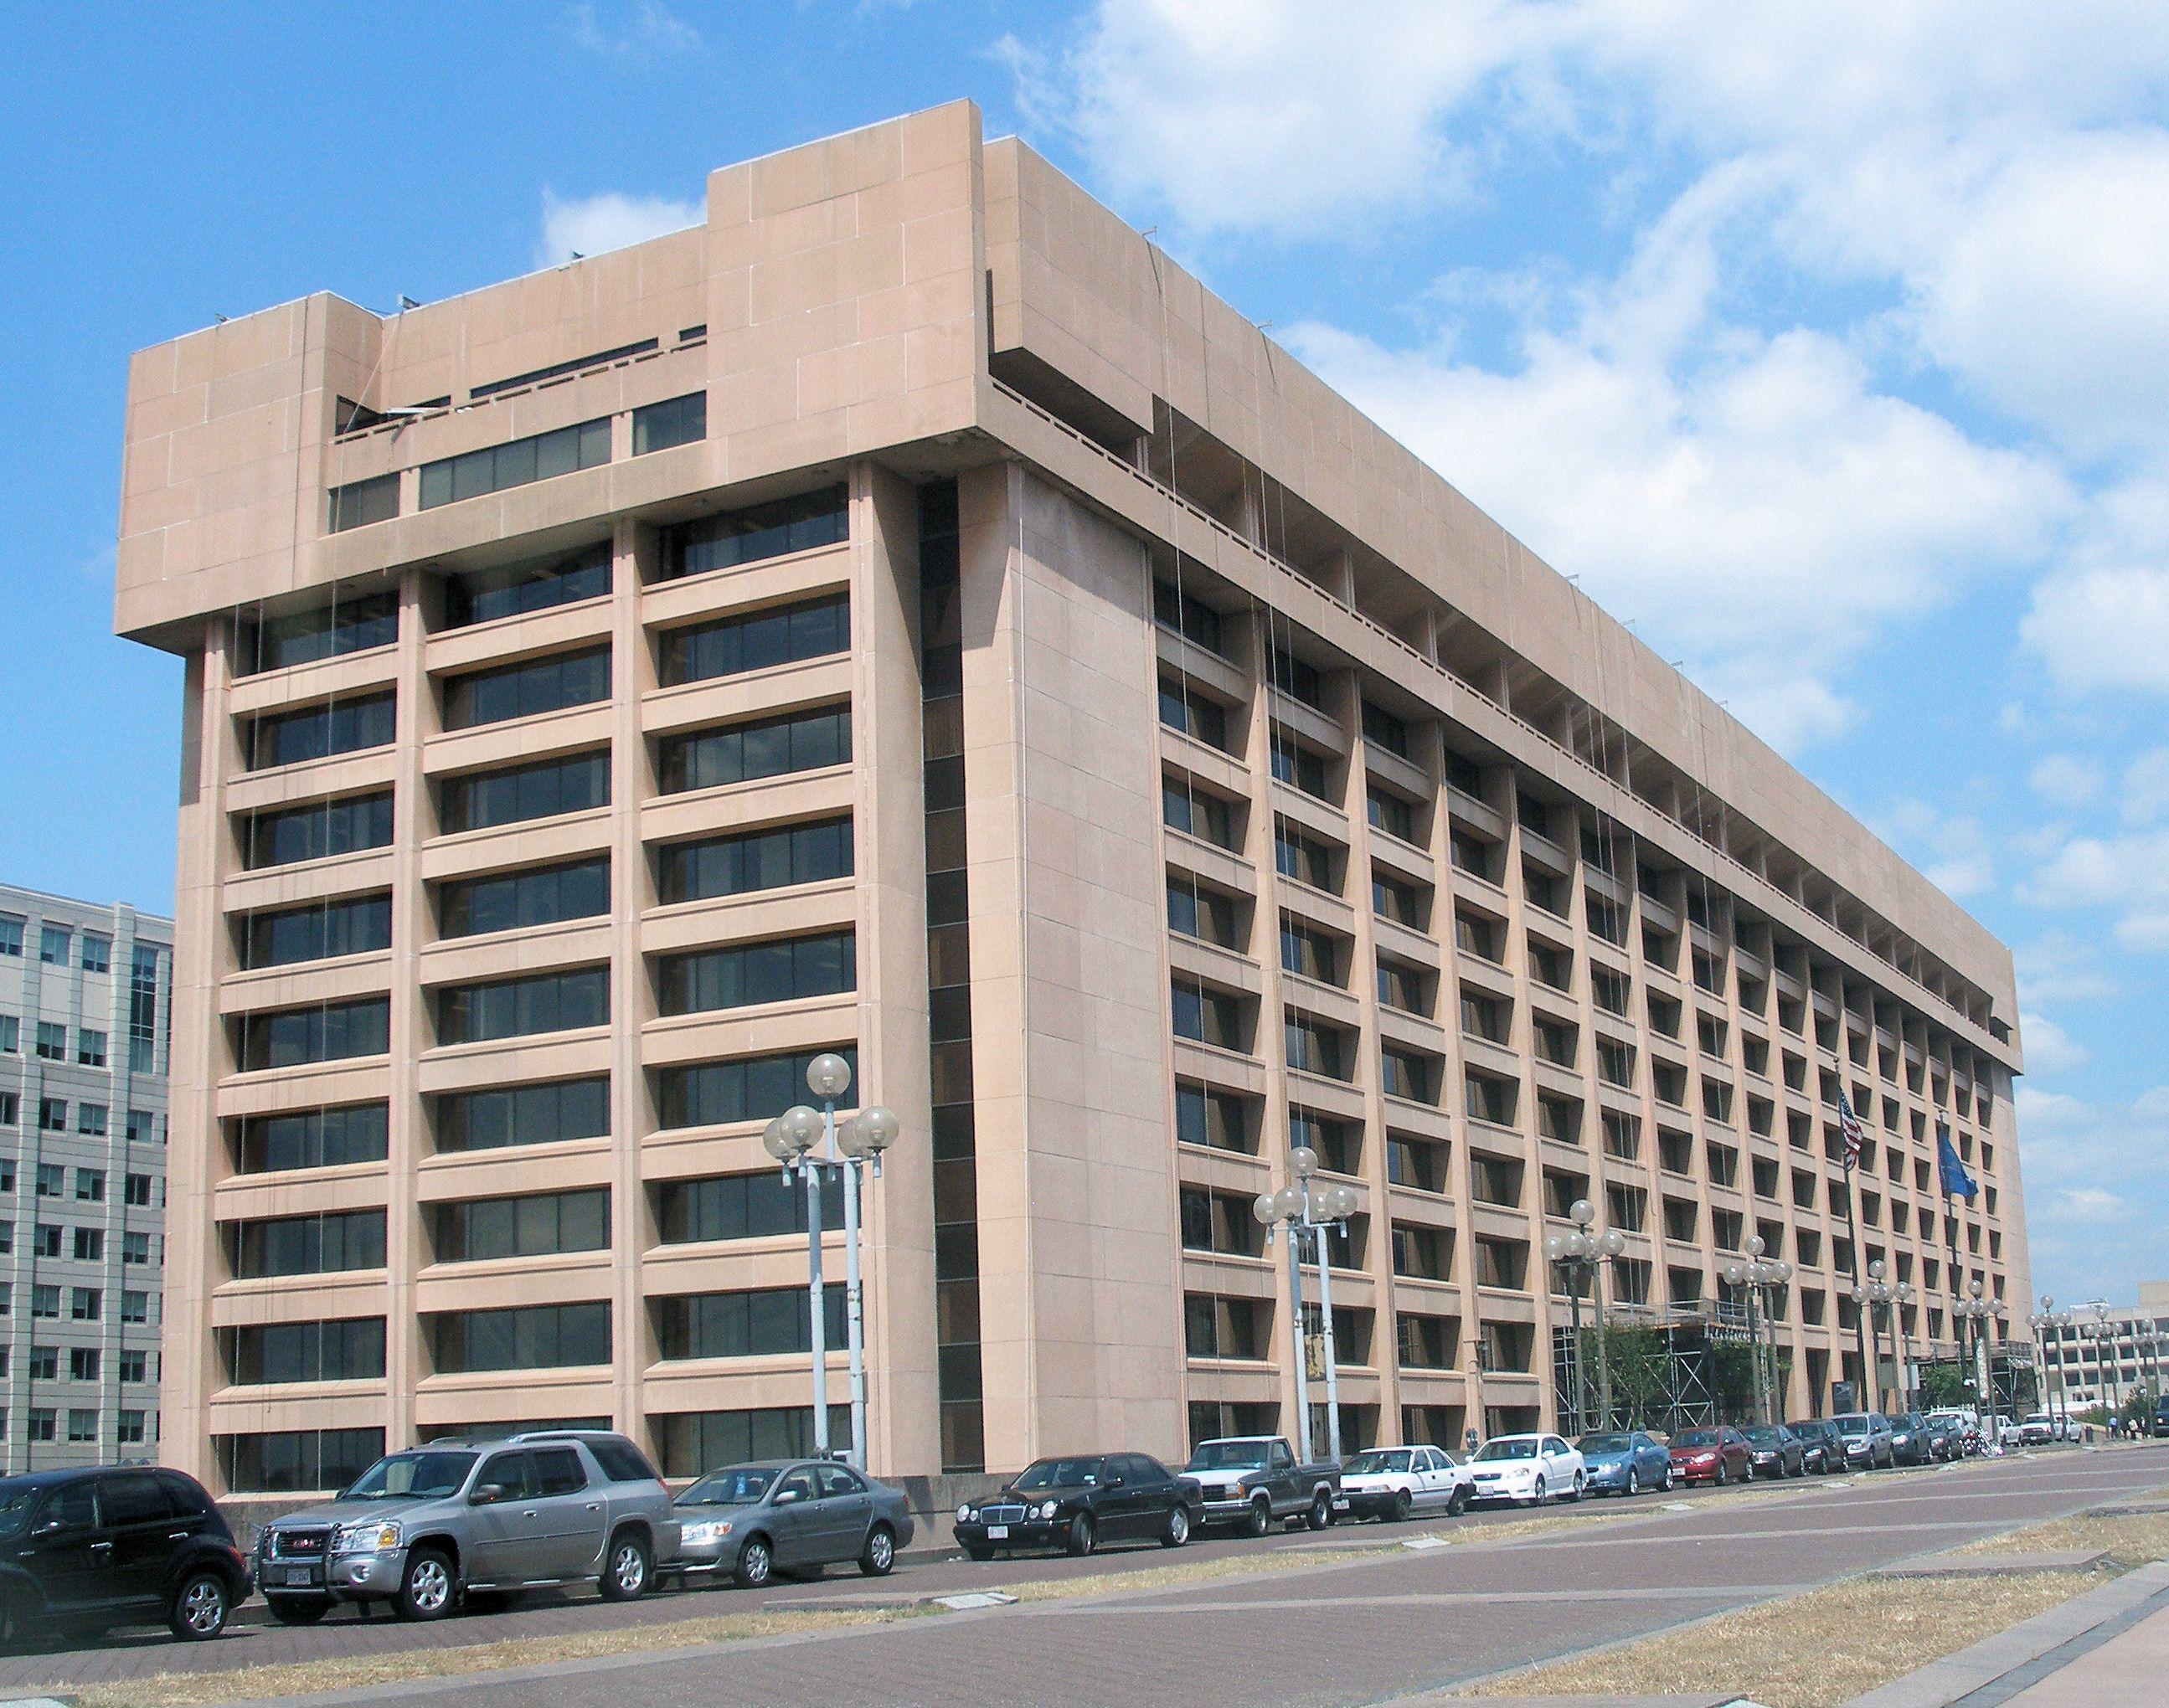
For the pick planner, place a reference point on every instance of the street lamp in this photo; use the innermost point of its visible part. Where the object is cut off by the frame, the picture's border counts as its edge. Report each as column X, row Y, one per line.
column 1312, row 1212
column 2042, row 1323
column 1901, row 1339
column 1754, row 1273
column 1869, row 1296
column 1591, row 1253
column 798, row 1138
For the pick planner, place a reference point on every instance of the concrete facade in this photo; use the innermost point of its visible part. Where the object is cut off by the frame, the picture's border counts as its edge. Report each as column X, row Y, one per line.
column 1398, row 741
column 2108, row 1352
column 86, row 1000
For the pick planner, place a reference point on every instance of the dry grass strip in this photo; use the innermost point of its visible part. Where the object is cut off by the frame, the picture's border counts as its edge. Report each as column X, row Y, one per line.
column 1813, row 1651
column 2133, row 1539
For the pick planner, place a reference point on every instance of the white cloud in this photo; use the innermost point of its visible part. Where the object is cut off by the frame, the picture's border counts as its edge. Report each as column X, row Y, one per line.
column 2066, row 779
column 2049, row 1049
column 1955, row 850
column 2105, row 628
column 2145, row 796
column 2090, row 1165
column 647, row 30
column 2090, row 1204
column 590, row 225
column 2058, row 968
column 2126, row 874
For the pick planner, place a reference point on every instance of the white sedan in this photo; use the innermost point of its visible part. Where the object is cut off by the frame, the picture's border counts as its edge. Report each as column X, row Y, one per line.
column 1527, row 1470
column 1395, row 1483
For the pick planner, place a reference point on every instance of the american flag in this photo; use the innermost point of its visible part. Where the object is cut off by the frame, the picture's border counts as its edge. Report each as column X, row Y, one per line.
column 1848, row 1125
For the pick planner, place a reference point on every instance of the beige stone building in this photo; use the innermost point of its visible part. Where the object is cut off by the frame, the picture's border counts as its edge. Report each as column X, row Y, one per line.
column 908, row 614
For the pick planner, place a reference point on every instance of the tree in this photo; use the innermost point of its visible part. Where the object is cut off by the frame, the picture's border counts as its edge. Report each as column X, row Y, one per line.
column 1637, row 1360
column 1944, row 1385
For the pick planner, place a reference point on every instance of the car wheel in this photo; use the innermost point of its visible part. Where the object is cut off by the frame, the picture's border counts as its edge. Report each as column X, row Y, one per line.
column 427, row 1590
column 197, row 1613
column 1080, row 1540
column 757, row 1563
column 1724, row 1473
column 1402, row 1506
column 1633, row 1481
column 1321, row 1511
column 627, row 1569
column 1178, row 1527
column 877, row 1559
column 1262, row 1516
column 1459, row 1503
column 294, row 1610
column 1666, row 1486
column 979, row 1551
column 1581, row 1484
column 1536, row 1494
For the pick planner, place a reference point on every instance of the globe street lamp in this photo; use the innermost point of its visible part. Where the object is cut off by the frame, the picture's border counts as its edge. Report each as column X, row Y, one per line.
column 1754, row 1273
column 1312, row 1212
column 1901, row 1339
column 1590, row 1253
column 797, row 1139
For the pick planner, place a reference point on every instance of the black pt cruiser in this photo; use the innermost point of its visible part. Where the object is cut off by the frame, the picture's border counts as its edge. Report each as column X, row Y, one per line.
column 1078, row 1502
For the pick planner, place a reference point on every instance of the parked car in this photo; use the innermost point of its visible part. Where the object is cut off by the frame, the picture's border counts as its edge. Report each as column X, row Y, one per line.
column 1252, row 1481
column 1774, row 1450
column 1527, row 1470
column 1719, row 1456
column 1967, row 1423
column 94, row 1547
column 1397, row 1482
column 1946, row 1439
column 1079, row 1501
column 1625, row 1462
column 421, row 1529
column 1910, row 1441
column 2035, row 1429
column 1821, row 1451
column 1866, row 1439
column 773, row 1515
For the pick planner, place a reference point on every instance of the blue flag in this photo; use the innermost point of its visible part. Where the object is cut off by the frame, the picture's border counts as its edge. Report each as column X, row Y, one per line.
column 1952, row 1172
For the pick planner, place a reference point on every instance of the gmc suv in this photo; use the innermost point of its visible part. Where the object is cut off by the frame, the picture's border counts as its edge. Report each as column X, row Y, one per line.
column 423, row 1528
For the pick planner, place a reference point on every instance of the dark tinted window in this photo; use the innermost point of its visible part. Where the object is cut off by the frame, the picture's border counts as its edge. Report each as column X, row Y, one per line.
column 762, row 530
column 73, row 1508
column 506, row 901
column 185, row 1493
column 621, row 1461
column 316, row 832
column 519, row 793
column 499, row 466
column 352, row 626
column 558, row 1471
column 132, row 1497
column 536, row 585
column 318, row 731
column 770, row 746
column 528, row 688
column 524, row 1115
column 757, row 640
column 760, row 859
column 512, row 1472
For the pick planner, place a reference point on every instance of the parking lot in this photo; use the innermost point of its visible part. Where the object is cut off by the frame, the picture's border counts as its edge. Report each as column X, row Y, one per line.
column 1356, row 1624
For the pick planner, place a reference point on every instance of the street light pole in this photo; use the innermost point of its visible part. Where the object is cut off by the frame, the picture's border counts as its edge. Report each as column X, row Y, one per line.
column 1314, row 1216
column 1588, row 1253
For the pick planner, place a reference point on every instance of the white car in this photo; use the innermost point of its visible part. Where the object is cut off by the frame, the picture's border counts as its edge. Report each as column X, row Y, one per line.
column 1395, row 1482
column 1527, row 1470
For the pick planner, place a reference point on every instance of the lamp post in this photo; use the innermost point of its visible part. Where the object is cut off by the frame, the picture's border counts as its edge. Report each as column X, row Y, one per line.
column 1869, row 1296
column 812, row 1143
column 2042, row 1323
column 1902, row 1340
column 1754, row 1273
column 1591, row 1253
column 1311, row 1213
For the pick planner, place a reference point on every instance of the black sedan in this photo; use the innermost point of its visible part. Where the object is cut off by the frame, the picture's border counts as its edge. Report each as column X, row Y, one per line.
column 1774, row 1450
column 1821, row 1451
column 1077, row 1502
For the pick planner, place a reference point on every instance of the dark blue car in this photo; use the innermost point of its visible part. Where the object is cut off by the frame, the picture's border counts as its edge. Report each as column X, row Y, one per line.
column 1625, row 1462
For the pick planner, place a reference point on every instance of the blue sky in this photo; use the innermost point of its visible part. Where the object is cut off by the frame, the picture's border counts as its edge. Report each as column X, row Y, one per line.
column 1827, row 345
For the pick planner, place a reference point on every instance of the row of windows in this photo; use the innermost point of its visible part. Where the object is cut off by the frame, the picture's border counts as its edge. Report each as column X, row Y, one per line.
column 90, row 1119
column 85, row 1364
column 85, row 1304
column 41, row 1424
column 49, row 1042
column 55, row 945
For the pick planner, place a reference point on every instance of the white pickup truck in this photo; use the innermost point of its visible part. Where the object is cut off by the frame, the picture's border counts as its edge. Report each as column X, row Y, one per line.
column 1399, row 1482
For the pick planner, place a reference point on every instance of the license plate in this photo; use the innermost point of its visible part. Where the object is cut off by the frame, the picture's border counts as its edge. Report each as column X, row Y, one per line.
column 298, row 1575
column 998, row 1533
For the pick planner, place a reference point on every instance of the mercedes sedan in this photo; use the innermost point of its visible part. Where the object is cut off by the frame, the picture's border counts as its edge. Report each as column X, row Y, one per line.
column 1078, row 1502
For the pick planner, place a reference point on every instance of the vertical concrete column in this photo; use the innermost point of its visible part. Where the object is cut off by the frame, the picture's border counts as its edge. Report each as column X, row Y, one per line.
column 632, row 1005
column 903, row 1402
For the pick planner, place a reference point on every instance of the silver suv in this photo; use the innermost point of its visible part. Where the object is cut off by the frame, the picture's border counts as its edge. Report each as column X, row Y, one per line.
column 422, row 1528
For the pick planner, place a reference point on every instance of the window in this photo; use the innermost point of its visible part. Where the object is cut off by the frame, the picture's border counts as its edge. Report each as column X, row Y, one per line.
column 1188, row 712
column 675, row 421
column 360, row 503
column 1419, row 1164
column 1426, row 1342
column 89, row 1245
column 295, row 1460
column 136, row 1247
column 535, row 1336
column 147, row 1036
column 1340, row 1146
column 52, row 1180
column 510, row 901
column 1209, row 1016
column 744, row 977
column 761, row 859
column 1488, row 1098
column 1216, row 1327
column 316, row 832
column 757, row 640
column 83, row 1364
column 1313, row 1047
column 348, row 1349
column 519, row 793
column 134, row 1366
column 1404, row 904
column 316, row 1138
column 52, row 1041
column 693, row 1442
column 1304, row 859
column 1423, row 1253
column 1475, row 934
column 1623, row 1134
column 11, row 1109
column 520, row 1007
column 1187, row 616
column 321, row 930
column 766, row 1322
column 1615, row 1061
column 97, row 952
column 87, row 1304
column 1193, row 911
column 11, row 1034
column 1501, row 1263
column 535, row 584
column 773, row 746
column 749, row 535
column 1403, row 986
column 742, row 1206
column 1405, row 1073
column 306, row 1245
column 45, row 1240
column 90, row 1048
column 1217, row 1119
column 1495, row 1180
column 332, row 1032
column 1297, row 766
column 528, row 688
column 1486, row 1017
column 1393, row 814
column 329, row 631
column 496, row 468
column 39, row 1424
column 538, row 1225
column 135, row 1308
column 319, row 732
column 1308, row 953
column 1195, row 813
column 525, row 1115
column 1382, row 729
column 11, row 935
column 1610, row 991
column 44, row 1301
column 136, row 1190
column 1292, row 676
column 53, row 1116
column 750, row 1088
column 1550, row 967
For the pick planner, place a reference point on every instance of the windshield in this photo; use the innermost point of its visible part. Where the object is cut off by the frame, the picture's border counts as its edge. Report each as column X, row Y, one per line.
column 1606, row 1444
column 1376, row 1460
column 740, row 1485
column 16, row 1500
column 421, row 1476
column 1698, row 1438
column 1853, row 1426
column 1226, row 1455
column 1060, row 1473
column 1762, row 1435
column 1517, row 1447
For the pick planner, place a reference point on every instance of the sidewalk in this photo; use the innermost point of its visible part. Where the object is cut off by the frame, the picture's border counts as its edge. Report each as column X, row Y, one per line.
column 2128, row 1668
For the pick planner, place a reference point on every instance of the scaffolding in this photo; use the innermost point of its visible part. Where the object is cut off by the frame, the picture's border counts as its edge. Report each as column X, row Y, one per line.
column 1686, row 1393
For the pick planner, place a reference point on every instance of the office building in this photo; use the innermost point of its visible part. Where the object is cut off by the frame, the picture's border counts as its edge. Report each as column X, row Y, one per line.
column 908, row 615
column 2107, row 1353
column 85, row 995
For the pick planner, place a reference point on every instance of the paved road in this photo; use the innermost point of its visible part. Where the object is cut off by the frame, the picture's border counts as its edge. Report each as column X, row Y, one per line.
column 1356, row 1631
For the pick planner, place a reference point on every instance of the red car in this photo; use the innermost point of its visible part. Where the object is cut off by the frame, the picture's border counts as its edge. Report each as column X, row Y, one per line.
column 1719, row 1455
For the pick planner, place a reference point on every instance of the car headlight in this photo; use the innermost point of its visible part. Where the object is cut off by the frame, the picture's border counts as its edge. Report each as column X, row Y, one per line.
column 369, row 1536
column 964, row 1514
column 1047, row 1509
column 704, row 1530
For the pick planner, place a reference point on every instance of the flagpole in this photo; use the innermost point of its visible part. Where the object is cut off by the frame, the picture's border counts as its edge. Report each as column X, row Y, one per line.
column 1860, row 1309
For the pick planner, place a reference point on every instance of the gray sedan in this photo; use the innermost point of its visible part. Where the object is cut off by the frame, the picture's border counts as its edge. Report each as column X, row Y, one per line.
column 749, row 1521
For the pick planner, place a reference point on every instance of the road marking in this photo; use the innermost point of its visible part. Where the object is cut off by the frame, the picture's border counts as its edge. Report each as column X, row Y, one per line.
column 977, row 1598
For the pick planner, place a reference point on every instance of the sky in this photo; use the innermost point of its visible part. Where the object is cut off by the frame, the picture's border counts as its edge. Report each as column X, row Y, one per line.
column 1827, row 345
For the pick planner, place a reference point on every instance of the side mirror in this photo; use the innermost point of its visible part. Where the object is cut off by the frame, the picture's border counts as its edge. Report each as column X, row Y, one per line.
column 786, row 1497
column 486, row 1494
column 49, row 1527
